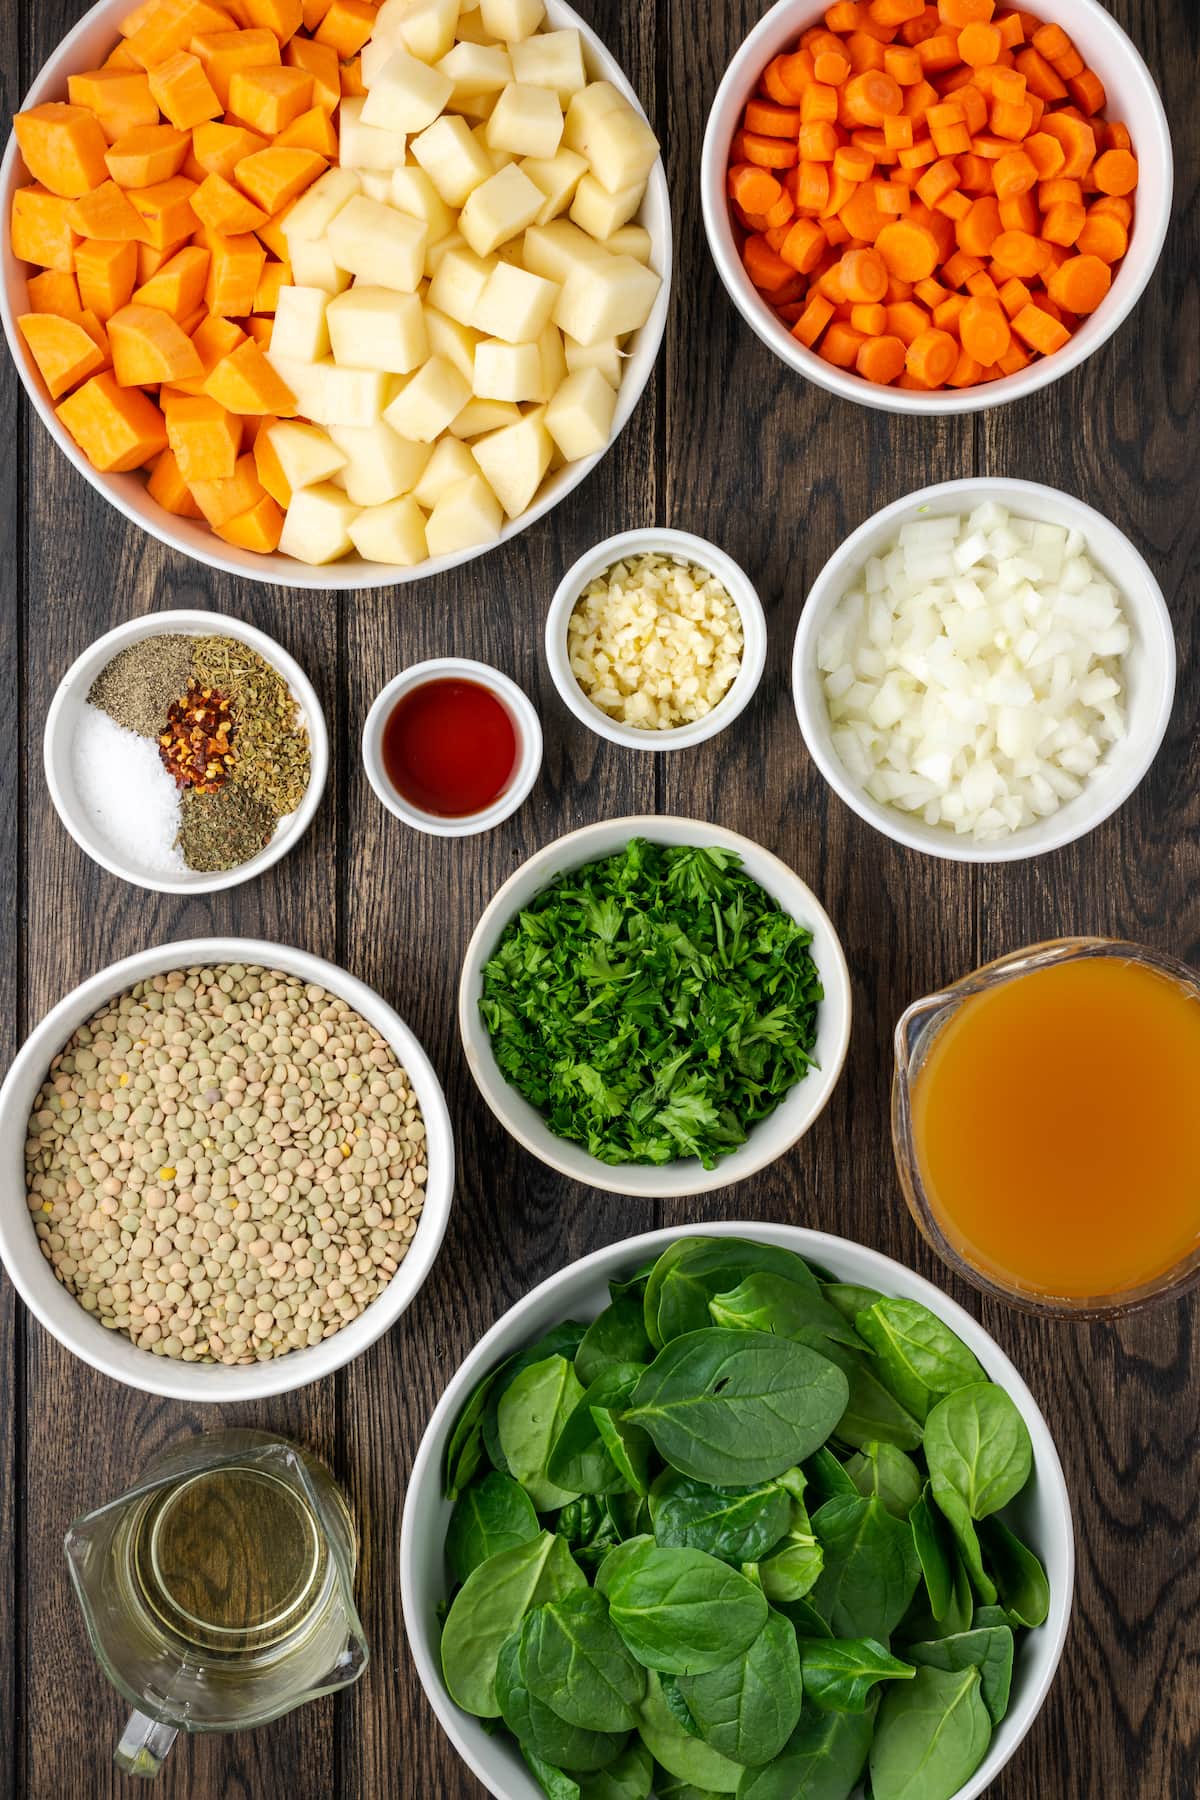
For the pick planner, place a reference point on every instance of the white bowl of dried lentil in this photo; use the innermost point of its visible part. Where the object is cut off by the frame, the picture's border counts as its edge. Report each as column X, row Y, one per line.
column 71, row 701
column 156, row 1371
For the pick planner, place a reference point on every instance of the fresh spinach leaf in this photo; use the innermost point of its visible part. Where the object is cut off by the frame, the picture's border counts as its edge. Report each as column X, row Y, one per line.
column 495, row 1514
column 919, row 1625
column 932, row 1735
column 917, row 1357
column 465, row 1452
column 989, row 1650
column 737, row 1406
column 488, row 1609
column 872, row 1415
column 840, row 1674
column 793, row 1566
column 579, row 1460
column 682, row 1612
column 629, row 1777
column 765, row 1302
column 691, row 1270
column 827, row 1476
column 823, row 1760
column 556, row 1784
column 977, row 1447
column 616, row 1336
column 984, row 1617
column 676, row 1704
column 688, row 1759
column 736, row 1524
column 532, row 1412
column 618, row 1557
column 936, row 1557
column 953, row 1509
column 747, row 1708
column 668, row 1787
column 804, row 1616
column 634, row 1284
column 539, row 1728
column 881, row 1472
column 849, row 1298
column 560, row 1340
column 574, row 1660
column 871, row 1569
column 1019, row 1576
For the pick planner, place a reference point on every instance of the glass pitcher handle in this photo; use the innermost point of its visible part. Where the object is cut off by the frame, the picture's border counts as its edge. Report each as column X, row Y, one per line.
column 144, row 1745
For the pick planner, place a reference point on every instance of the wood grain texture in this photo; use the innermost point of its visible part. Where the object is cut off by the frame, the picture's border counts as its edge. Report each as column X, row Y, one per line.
column 727, row 444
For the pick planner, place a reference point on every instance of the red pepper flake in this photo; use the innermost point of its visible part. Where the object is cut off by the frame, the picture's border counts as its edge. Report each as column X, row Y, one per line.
column 197, row 746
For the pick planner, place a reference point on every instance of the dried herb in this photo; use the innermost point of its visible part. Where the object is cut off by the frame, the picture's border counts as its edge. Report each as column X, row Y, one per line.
column 138, row 685
column 223, row 829
column 273, row 751
column 197, row 745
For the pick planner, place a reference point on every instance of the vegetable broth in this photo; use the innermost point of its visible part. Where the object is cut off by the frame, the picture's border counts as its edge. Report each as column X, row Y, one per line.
column 1056, row 1128
column 449, row 747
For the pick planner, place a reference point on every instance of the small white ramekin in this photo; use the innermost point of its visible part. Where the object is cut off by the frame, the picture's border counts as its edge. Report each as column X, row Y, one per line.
column 1148, row 666
column 526, row 724
column 62, row 721
column 685, row 547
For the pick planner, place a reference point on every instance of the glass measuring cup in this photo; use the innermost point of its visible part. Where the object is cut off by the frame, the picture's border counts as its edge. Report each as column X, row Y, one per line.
column 219, row 1592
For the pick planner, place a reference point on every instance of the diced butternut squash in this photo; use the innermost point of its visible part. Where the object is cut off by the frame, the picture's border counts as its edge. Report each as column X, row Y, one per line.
column 41, row 231
column 120, row 98
column 147, row 155
column 212, row 339
column 321, row 62
column 223, row 500
column 275, row 275
column 178, row 287
column 106, row 273
column 273, row 178
column 223, row 53
column 259, row 528
column 274, row 233
column 148, row 346
column 63, row 147
column 55, row 292
column 167, row 486
column 184, row 92
column 116, row 428
column 268, row 465
column 166, row 211
column 206, row 438
column 105, row 213
column 220, row 207
column 171, row 27
column 352, row 77
column 62, row 349
column 270, row 98
column 282, row 17
column 313, row 130
column 233, row 274
column 151, row 258
column 137, row 16
column 219, row 148
column 346, row 26
column 245, row 382
column 119, row 58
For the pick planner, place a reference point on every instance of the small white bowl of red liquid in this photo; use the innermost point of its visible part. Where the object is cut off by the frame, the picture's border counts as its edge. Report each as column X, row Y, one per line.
column 452, row 746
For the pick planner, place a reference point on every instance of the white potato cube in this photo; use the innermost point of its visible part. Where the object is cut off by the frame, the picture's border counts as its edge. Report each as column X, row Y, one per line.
column 376, row 328
column 300, row 330
column 511, row 19
column 407, row 94
column 454, row 160
column 305, row 453
column 389, row 18
column 458, row 283
column 600, row 213
column 362, row 145
column 560, row 249
column 310, row 218
column 551, row 59
column 451, row 340
column 526, row 121
column 478, row 416
column 467, row 514
column 590, row 104
column 499, row 159
column 553, row 359
column 352, row 396
column 507, row 371
column 313, row 266
column 379, row 463
column 316, row 528
column 413, row 193
column 630, row 240
column 606, row 300
column 620, row 147
column 427, row 403
column 515, row 459
column 426, row 29
column 306, row 380
column 382, row 245
column 450, row 464
column 376, row 183
column 394, row 533
column 558, row 177
column 579, row 417
column 472, row 30
column 476, row 69
column 605, row 354
column 498, row 209
column 375, row 54
column 514, row 305
column 477, row 108
column 436, row 253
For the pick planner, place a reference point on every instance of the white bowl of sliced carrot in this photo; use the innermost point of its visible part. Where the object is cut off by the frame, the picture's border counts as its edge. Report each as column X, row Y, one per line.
column 936, row 208
column 147, row 195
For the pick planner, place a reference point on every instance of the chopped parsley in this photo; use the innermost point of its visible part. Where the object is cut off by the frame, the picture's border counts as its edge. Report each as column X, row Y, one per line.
column 653, row 1005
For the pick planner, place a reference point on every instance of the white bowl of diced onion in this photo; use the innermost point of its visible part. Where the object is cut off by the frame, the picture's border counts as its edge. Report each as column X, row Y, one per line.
column 984, row 670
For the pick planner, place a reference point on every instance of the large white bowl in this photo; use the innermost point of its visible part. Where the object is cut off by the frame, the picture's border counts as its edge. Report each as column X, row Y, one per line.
column 771, row 1136
column 1132, row 97
column 86, row 48
column 110, row 1351
column 62, row 722
column 1149, row 667
column 1042, row 1511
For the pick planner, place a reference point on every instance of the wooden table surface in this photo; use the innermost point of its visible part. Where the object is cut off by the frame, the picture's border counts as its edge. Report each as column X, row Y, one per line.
column 729, row 444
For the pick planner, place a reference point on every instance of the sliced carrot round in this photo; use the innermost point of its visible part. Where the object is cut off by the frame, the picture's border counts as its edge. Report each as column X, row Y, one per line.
column 1115, row 172
column 864, row 275
column 909, row 250
column 1020, row 252
column 984, row 330
column 880, row 359
column 931, row 357
column 872, row 97
column 1080, row 284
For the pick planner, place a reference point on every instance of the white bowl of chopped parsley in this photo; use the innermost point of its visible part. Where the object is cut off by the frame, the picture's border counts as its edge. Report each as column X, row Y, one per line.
column 655, row 1006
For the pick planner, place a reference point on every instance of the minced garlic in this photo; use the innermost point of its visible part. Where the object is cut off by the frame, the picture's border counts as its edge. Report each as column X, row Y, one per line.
column 655, row 642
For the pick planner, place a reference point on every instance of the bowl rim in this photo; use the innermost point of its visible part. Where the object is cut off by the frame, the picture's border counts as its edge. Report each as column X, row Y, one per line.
column 516, row 703
column 84, row 1337
column 683, row 545
column 635, row 1179
column 1149, row 606
column 347, row 573
column 748, row 60
column 823, row 1247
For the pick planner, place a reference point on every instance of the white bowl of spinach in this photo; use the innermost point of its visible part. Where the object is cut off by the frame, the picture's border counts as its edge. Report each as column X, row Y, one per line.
column 745, row 1510
column 655, row 1006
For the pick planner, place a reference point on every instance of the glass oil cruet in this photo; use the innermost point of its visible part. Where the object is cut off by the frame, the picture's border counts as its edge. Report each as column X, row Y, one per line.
column 219, row 1592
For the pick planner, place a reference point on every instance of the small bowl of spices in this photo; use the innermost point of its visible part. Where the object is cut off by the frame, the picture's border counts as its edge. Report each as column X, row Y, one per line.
column 186, row 752
column 656, row 639
column 452, row 746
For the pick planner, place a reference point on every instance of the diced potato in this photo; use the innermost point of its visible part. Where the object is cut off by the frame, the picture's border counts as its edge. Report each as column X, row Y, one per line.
column 600, row 213
column 558, row 249
column 382, row 245
column 377, row 183
column 551, row 59
column 466, row 515
column 472, row 30
column 313, row 266
column 427, row 403
column 499, row 159
column 507, row 371
column 305, row 453
column 579, row 417
column 394, row 533
column 376, row 328
column 553, row 360
column 452, row 340
column 450, row 463
column 407, row 95
column 352, row 396
column 606, row 299
column 300, row 330
column 515, row 459
column 375, row 55
column 511, row 19
column 362, row 145
column 458, row 283
column 316, row 528
column 620, row 147
column 590, row 104
column 631, row 240
column 526, row 121
column 426, row 29
column 478, row 108
column 605, row 354
column 476, row 69
column 436, row 254
column 514, row 304
column 379, row 464
column 478, row 416
column 306, row 380
column 558, row 177
column 498, row 209
column 413, row 193
column 454, row 160
column 310, row 218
